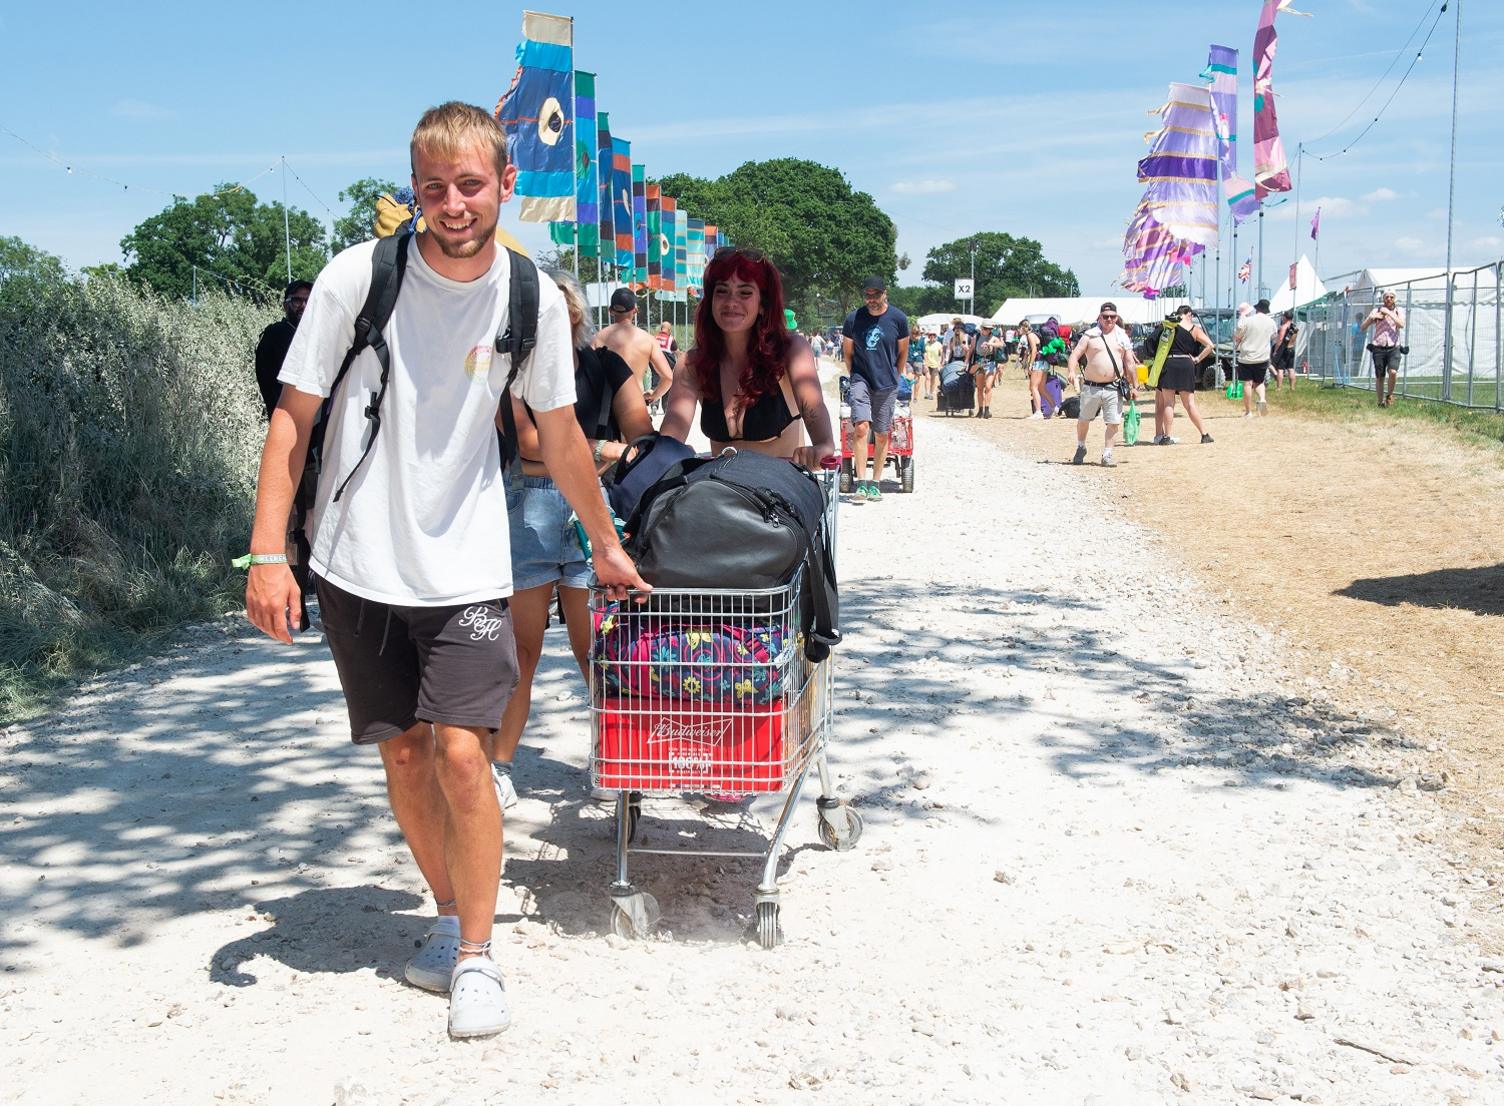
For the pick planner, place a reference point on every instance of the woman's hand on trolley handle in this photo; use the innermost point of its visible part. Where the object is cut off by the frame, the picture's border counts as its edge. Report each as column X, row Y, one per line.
column 618, row 575
column 817, row 457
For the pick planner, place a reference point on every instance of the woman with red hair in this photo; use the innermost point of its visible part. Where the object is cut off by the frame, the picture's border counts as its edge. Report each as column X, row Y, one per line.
column 755, row 383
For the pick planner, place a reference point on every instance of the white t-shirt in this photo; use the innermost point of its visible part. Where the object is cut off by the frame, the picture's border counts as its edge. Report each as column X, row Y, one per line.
column 1258, row 338
column 424, row 521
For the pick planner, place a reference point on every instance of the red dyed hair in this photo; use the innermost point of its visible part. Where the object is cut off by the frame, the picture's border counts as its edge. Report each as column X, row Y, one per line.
column 768, row 344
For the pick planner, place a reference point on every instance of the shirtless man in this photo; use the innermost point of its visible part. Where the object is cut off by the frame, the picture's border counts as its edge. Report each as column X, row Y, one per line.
column 1105, row 354
column 635, row 346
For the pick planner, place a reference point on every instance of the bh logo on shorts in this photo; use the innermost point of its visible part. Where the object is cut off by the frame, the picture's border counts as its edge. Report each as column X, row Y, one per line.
column 482, row 623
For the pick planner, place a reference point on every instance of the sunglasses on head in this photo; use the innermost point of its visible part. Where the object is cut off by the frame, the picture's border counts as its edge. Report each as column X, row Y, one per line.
column 747, row 252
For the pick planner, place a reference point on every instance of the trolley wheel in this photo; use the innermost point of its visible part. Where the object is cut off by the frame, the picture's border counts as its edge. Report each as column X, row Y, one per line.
column 906, row 474
column 854, row 826
column 768, row 935
column 846, row 476
column 623, row 925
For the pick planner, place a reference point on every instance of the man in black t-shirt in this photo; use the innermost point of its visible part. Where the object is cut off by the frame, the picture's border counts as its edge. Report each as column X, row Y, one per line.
column 272, row 348
column 875, row 343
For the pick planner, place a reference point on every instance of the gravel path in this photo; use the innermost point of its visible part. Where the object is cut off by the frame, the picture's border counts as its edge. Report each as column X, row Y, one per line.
column 1111, row 856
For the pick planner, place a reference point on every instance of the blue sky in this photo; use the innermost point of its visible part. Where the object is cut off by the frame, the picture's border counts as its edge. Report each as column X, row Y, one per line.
column 956, row 117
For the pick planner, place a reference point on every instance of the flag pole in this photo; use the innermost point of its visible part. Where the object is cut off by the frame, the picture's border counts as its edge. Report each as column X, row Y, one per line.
column 1447, row 337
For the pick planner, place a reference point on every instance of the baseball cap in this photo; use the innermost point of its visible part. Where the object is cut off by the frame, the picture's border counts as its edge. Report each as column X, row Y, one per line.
column 1108, row 306
column 297, row 286
column 874, row 284
column 623, row 299
column 986, row 324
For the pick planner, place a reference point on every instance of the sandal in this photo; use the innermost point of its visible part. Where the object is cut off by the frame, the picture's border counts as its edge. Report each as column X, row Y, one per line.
column 431, row 968
column 477, row 999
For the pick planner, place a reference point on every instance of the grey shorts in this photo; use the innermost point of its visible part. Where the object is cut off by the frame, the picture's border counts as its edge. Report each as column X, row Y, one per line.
column 1101, row 398
column 874, row 405
column 400, row 666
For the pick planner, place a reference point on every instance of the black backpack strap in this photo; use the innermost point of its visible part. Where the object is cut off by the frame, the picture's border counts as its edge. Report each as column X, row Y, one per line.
column 517, row 340
column 388, row 265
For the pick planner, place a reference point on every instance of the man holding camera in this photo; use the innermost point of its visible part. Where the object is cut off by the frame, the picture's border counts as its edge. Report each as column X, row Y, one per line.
column 1387, row 321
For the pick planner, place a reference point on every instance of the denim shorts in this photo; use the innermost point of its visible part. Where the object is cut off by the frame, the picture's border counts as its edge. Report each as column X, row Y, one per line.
column 545, row 548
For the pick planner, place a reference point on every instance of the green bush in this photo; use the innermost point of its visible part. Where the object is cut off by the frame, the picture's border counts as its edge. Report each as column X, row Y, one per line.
column 130, row 432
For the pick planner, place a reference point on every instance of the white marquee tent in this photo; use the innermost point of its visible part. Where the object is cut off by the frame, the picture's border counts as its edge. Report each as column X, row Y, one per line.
column 1308, row 288
column 942, row 319
column 1083, row 309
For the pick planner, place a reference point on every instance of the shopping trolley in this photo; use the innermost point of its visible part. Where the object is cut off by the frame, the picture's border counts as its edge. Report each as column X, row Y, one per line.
column 708, row 692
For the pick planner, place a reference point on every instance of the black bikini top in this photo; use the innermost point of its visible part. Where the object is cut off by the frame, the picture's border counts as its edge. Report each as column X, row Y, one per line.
column 766, row 418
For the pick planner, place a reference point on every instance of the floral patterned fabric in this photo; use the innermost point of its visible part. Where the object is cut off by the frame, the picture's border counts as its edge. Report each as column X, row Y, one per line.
column 717, row 664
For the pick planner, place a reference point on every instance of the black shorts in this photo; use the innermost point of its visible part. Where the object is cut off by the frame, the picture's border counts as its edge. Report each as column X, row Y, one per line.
column 399, row 666
column 1253, row 374
column 1386, row 359
column 1178, row 374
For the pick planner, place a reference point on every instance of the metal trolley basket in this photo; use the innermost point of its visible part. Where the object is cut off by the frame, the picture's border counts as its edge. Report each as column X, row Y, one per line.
column 707, row 691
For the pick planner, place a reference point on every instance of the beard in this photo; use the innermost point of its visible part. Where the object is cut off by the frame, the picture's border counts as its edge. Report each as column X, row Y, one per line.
column 480, row 234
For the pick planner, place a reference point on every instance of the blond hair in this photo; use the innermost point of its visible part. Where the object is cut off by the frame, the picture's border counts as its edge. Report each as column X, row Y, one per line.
column 445, row 130
column 574, row 296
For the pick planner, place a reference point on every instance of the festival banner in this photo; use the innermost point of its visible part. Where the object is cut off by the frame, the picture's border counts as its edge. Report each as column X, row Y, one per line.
column 587, row 195
column 621, row 204
column 654, row 223
column 666, row 222
column 696, row 255
column 606, row 225
column 639, row 226
column 681, row 253
column 1271, row 170
column 1180, row 170
column 537, row 113
column 1316, row 224
column 1222, row 73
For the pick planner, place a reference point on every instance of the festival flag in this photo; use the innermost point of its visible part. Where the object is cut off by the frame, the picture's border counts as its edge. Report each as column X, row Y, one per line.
column 712, row 240
column 681, row 252
column 639, row 226
column 537, row 113
column 1180, row 169
column 654, row 196
column 1271, row 170
column 695, row 256
column 669, row 215
column 606, row 225
column 1316, row 224
column 587, row 195
column 1294, row 274
column 621, row 204
column 1222, row 73
column 1245, row 270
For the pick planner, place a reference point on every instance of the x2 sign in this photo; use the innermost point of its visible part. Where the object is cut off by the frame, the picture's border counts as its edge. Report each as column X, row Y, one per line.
column 965, row 289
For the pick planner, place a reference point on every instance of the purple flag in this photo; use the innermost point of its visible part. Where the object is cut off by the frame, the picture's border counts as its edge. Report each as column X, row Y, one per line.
column 1316, row 223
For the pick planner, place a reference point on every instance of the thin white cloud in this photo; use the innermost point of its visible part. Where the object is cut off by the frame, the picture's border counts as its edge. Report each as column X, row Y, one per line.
column 1488, row 242
column 1332, row 207
column 140, row 110
column 926, row 187
column 1379, row 195
column 1411, row 245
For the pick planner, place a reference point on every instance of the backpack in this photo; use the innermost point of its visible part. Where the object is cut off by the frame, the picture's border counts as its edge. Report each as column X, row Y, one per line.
column 744, row 521
column 388, row 266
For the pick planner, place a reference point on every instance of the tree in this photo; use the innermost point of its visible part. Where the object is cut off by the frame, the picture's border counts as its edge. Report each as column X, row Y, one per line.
column 226, row 238
column 20, row 261
column 823, row 236
column 1005, row 267
column 356, row 226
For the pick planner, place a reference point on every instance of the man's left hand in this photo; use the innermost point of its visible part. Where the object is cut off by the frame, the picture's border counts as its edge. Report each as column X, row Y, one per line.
column 618, row 575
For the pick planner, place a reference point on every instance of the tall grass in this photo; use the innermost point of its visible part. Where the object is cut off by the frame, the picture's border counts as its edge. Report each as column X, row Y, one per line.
column 129, row 437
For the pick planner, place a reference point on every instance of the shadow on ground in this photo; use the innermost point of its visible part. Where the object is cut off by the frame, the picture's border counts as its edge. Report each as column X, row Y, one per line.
column 1480, row 590
column 177, row 820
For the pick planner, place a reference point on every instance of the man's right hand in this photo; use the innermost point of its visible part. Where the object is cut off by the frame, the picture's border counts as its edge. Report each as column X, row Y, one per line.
column 273, row 600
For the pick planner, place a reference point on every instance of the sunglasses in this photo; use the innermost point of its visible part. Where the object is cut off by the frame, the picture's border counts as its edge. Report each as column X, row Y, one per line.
column 1109, row 318
column 747, row 252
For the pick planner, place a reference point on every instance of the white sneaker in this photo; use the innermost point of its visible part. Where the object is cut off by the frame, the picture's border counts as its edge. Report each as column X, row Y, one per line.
column 506, row 791
column 477, row 999
column 434, row 964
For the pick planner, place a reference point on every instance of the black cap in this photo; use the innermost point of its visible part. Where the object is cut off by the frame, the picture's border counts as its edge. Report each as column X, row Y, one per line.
column 623, row 299
column 296, row 286
column 874, row 284
column 1262, row 307
column 1108, row 306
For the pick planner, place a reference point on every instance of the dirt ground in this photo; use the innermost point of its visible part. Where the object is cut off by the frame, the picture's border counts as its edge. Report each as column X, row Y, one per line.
column 1375, row 549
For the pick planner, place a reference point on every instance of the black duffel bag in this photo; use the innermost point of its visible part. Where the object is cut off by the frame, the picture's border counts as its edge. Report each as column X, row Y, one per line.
column 744, row 521
column 642, row 465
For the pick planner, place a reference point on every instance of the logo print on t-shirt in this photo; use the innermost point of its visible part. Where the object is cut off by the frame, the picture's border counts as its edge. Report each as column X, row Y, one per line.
column 874, row 336
column 478, row 362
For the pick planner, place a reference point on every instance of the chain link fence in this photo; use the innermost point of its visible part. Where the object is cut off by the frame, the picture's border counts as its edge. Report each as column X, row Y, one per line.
column 1334, row 347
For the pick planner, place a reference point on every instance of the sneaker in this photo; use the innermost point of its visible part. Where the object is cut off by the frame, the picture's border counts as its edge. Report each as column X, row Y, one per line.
column 432, row 968
column 1079, row 457
column 1037, row 415
column 874, row 492
column 1168, row 440
column 1107, row 461
column 1206, row 439
column 1248, row 414
column 506, row 792
column 477, row 999
column 1263, row 407
column 1156, row 439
